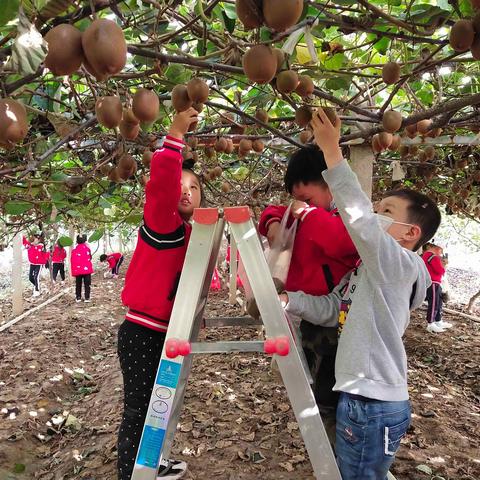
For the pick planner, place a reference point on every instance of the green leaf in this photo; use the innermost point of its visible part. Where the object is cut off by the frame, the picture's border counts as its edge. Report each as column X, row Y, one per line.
column 382, row 45
column 8, row 11
column 339, row 83
column 19, row 468
column 134, row 219
column 96, row 235
column 425, row 469
column 15, row 207
column 228, row 22
column 65, row 241
column 335, row 62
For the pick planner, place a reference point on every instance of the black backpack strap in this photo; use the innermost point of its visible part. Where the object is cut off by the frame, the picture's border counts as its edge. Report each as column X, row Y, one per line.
column 412, row 296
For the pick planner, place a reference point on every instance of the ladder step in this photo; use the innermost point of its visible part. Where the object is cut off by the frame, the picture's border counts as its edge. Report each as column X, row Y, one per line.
column 227, row 347
column 246, row 321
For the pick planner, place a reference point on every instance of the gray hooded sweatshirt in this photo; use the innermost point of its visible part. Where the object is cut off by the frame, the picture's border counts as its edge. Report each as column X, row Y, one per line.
column 373, row 302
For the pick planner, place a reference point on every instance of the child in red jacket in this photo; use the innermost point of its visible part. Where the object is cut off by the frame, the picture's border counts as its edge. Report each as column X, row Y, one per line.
column 322, row 254
column 37, row 257
column 82, row 268
column 58, row 258
column 432, row 257
column 172, row 194
column 114, row 261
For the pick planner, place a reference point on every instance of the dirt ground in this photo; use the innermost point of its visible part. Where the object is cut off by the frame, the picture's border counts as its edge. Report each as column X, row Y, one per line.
column 60, row 401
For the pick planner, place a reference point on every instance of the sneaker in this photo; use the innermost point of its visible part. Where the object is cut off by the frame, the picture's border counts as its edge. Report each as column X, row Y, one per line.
column 172, row 469
column 87, row 300
column 434, row 328
column 78, row 300
column 36, row 293
column 443, row 324
column 114, row 276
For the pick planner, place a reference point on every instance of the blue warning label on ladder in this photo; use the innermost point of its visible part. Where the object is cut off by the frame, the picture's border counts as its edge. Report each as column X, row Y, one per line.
column 151, row 446
column 168, row 374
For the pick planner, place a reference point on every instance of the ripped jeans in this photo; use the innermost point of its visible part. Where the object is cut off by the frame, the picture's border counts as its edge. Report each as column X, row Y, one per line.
column 368, row 436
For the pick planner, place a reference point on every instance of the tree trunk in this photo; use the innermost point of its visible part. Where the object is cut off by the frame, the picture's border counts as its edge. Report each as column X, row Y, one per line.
column 472, row 302
column 17, row 267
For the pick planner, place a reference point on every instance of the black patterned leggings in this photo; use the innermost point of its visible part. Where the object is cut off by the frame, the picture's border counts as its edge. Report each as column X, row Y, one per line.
column 58, row 268
column 139, row 352
column 33, row 276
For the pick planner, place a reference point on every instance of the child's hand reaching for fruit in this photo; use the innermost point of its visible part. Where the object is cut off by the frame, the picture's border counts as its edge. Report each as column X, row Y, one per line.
column 181, row 123
column 327, row 137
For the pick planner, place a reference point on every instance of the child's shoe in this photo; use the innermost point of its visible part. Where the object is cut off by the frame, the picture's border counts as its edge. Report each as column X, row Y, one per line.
column 87, row 300
column 434, row 328
column 78, row 300
column 36, row 293
column 443, row 324
column 171, row 469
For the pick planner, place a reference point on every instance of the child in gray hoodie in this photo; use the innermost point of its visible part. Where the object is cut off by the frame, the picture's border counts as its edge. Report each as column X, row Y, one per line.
column 371, row 307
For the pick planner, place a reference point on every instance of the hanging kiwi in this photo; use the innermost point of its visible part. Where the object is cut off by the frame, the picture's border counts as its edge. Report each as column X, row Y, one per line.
column 376, row 147
column 260, row 64
column 245, row 146
column 65, row 52
column 282, row 14
column 305, row 86
column 287, row 81
column 475, row 48
column 104, row 47
column 394, row 146
column 258, row 145
column 230, row 146
column 411, row 130
column 305, row 136
column 430, row 152
column 217, row 171
column 221, row 145
column 147, row 158
column 109, row 111
column 198, row 90
column 462, row 35
column 146, row 105
column 280, row 56
column 249, row 12
column 226, row 187
column 180, row 99
column 303, row 115
column 331, row 114
column 262, row 115
column 385, row 140
column 424, row 126
column 13, row 122
column 114, row 175
column 129, row 131
column 391, row 73
column 392, row 121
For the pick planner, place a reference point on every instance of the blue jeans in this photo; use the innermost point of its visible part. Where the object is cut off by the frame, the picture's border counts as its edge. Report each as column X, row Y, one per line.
column 368, row 436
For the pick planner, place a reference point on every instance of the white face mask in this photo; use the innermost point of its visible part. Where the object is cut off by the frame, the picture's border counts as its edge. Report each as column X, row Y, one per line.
column 385, row 221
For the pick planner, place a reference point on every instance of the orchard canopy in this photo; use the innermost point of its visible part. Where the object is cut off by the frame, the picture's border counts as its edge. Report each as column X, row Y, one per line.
column 66, row 164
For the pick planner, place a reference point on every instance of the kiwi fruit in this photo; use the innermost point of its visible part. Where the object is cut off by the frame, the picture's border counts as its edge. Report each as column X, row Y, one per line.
column 413, row 150
column 376, row 147
column 422, row 156
column 404, row 151
column 106, row 169
column 391, row 73
column 13, row 122
column 147, row 158
column 238, row 129
column 209, row 152
column 230, row 146
column 143, row 180
column 249, row 12
column 305, row 86
column 109, row 111
column 393, row 147
column 287, row 81
column 258, row 146
column 462, row 35
column 198, row 107
column 280, row 56
column 303, row 115
column 129, row 117
column 260, row 64
column 430, row 152
column 282, row 14
column 198, row 90
column 180, row 99
column 65, row 52
column 104, row 47
column 475, row 48
column 226, row 187
column 411, row 130
column 434, row 132
column 145, row 105
column 129, row 131
column 392, row 121
column 262, row 115
column 331, row 114
column 245, row 145
column 305, row 136
column 423, row 126
column 217, row 170
column 221, row 145
column 114, row 175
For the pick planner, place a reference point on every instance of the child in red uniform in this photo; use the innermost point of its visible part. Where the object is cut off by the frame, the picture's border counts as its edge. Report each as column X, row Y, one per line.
column 322, row 254
column 151, row 282
column 82, row 268
column 37, row 258
column 433, row 260
column 58, row 258
column 114, row 261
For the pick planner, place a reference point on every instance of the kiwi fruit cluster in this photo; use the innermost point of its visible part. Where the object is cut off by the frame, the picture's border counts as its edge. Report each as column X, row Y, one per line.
column 101, row 48
column 126, row 167
column 304, row 114
column 385, row 140
column 278, row 15
column 129, row 125
column 224, row 145
column 13, row 122
column 213, row 173
column 193, row 94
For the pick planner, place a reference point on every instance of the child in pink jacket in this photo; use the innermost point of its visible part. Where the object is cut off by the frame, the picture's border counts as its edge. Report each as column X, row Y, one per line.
column 36, row 258
column 82, row 268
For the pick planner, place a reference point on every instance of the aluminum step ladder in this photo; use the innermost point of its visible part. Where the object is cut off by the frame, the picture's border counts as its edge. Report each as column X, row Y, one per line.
column 181, row 344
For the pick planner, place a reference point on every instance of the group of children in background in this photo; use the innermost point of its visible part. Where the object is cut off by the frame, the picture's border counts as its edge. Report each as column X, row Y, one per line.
column 81, row 266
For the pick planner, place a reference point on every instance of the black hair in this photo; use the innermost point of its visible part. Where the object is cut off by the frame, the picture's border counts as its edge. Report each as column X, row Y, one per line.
column 187, row 165
column 81, row 238
column 422, row 211
column 305, row 166
column 103, row 257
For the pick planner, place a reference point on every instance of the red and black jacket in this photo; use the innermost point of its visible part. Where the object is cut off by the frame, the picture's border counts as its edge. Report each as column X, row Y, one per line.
column 322, row 253
column 434, row 266
column 113, row 259
column 154, row 271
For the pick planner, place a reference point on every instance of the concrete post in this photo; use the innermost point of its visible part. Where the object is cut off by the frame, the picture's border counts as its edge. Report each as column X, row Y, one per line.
column 361, row 161
column 17, row 267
